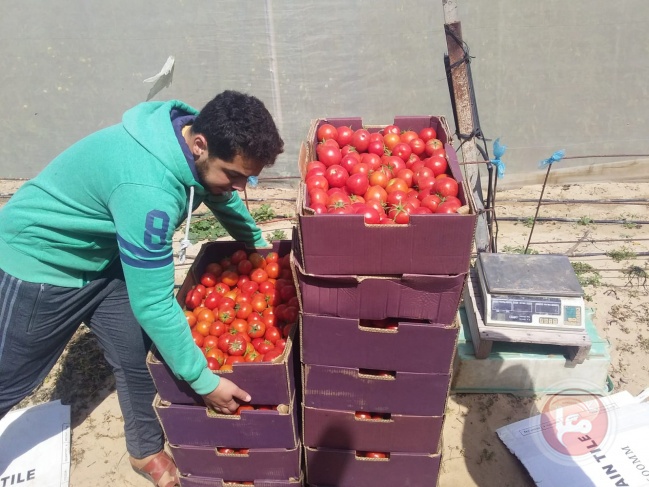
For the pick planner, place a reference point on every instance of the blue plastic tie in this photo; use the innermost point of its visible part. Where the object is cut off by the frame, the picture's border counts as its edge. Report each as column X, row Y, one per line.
column 556, row 157
column 499, row 151
column 253, row 181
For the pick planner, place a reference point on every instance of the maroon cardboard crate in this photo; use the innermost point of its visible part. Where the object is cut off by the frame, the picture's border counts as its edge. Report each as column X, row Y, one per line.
column 344, row 244
column 413, row 347
column 342, row 468
column 348, row 389
column 411, row 296
column 343, row 430
column 194, row 481
column 269, row 383
column 198, row 426
column 258, row 463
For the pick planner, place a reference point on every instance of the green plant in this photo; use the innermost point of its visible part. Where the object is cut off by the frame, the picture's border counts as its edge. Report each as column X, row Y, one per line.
column 528, row 222
column 206, row 228
column 584, row 220
column 621, row 254
column 518, row 250
column 263, row 213
column 276, row 235
column 586, row 274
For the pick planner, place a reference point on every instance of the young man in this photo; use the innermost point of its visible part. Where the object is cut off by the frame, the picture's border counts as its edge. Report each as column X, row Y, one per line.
column 90, row 240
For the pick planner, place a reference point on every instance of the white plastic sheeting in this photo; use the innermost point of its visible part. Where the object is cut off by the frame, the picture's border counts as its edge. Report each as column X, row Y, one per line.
column 548, row 75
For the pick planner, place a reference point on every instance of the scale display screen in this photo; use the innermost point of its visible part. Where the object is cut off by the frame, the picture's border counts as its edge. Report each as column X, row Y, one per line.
column 534, row 310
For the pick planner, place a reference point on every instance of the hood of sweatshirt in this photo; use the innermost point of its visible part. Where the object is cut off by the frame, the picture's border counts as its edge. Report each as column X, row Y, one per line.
column 151, row 124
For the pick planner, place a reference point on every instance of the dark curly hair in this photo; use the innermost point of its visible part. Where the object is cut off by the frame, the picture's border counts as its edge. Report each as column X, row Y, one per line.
column 234, row 123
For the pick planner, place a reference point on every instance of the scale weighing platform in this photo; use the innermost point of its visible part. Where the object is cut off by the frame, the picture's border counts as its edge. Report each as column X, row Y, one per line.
column 530, row 291
column 526, row 298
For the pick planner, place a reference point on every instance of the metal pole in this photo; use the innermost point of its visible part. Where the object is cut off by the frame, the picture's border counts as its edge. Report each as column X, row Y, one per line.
column 537, row 207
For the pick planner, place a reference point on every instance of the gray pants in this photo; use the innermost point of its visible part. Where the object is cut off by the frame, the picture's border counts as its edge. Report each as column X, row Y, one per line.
column 38, row 320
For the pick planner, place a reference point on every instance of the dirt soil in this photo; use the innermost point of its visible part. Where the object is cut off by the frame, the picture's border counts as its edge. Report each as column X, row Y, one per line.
column 608, row 239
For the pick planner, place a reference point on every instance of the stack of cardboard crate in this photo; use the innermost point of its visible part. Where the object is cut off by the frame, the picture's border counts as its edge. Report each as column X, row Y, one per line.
column 367, row 388
column 266, row 441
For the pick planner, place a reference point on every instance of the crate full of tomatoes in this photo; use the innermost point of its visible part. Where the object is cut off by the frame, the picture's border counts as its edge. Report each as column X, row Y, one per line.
column 242, row 308
column 383, row 199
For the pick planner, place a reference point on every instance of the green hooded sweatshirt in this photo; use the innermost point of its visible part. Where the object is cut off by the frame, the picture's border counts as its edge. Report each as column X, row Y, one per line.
column 121, row 192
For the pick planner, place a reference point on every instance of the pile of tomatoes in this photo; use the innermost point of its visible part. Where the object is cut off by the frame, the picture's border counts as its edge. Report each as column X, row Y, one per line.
column 243, row 309
column 385, row 176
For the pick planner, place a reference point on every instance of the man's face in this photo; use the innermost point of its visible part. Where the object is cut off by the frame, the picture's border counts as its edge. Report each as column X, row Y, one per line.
column 219, row 176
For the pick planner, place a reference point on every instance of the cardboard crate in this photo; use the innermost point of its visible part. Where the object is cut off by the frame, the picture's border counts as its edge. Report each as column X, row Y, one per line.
column 194, row 481
column 351, row 389
column 270, row 383
column 260, row 463
column 410, row 296
column 344, row 244
column 199, row 426
column 342, row 468
column 342, row 430
column 413, row 347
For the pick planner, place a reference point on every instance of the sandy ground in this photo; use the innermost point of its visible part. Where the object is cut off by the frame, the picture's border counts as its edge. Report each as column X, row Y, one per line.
column 472, row 453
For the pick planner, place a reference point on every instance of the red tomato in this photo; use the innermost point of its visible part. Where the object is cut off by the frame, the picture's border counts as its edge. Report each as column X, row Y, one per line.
column 328, row 154
column 421, row 210
column 191, row 318
column 402, row 150
column 396, row 184
column 217, row 328
column 290, row 314
column 336, row 176
column 376, row 192
column 426, row 183
column 224, row 342
column 259, row 302
column 213, row 364
column 376, row 147
column 193, row 299
column 198, row 338
column 230, row 278
column 271, row 355
column 203, row 327
column 417, row 146
column 437, row 163
column 232, row 359
column 237, row 345
column 272, row 334
column 376, row 454
column 226, row 314
column 313, row 165
column 431, row 202
column 327, row 131
column 362, row 415
column 406, row 176
column 361, row 139
column 446, row 207
column 434, row 146
column 408, row 135
column 214, row 268
column 262, row 345
column 349, row 161
column 391, row 140
column 238, row 256
column 427, row 133
column 212, row 300
column 317, row 182
column 391, row 129
column 446, row 187
column 256, row 329
column 345, row 135
column 395, row 197
column 357, row 184
column 400, row 213
column 208, row 279
column 373, row 161
column 370, row 215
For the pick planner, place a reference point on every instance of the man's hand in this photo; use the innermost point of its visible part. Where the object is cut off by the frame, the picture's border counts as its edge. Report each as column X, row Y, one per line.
column 226, row 398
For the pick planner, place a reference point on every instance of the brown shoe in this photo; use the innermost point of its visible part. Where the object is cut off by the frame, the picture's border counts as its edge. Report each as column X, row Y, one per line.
column 156, row 469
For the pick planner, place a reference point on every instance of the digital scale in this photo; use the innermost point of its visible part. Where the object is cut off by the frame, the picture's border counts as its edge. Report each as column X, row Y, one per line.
column 530, row 291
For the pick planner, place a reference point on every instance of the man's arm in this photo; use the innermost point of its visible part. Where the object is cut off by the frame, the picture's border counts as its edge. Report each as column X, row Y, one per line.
column 231, row 211
column 144, row 219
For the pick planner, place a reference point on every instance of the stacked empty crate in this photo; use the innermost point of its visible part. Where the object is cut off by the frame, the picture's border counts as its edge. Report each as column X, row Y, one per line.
column 368, row 389
column 201, row 441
